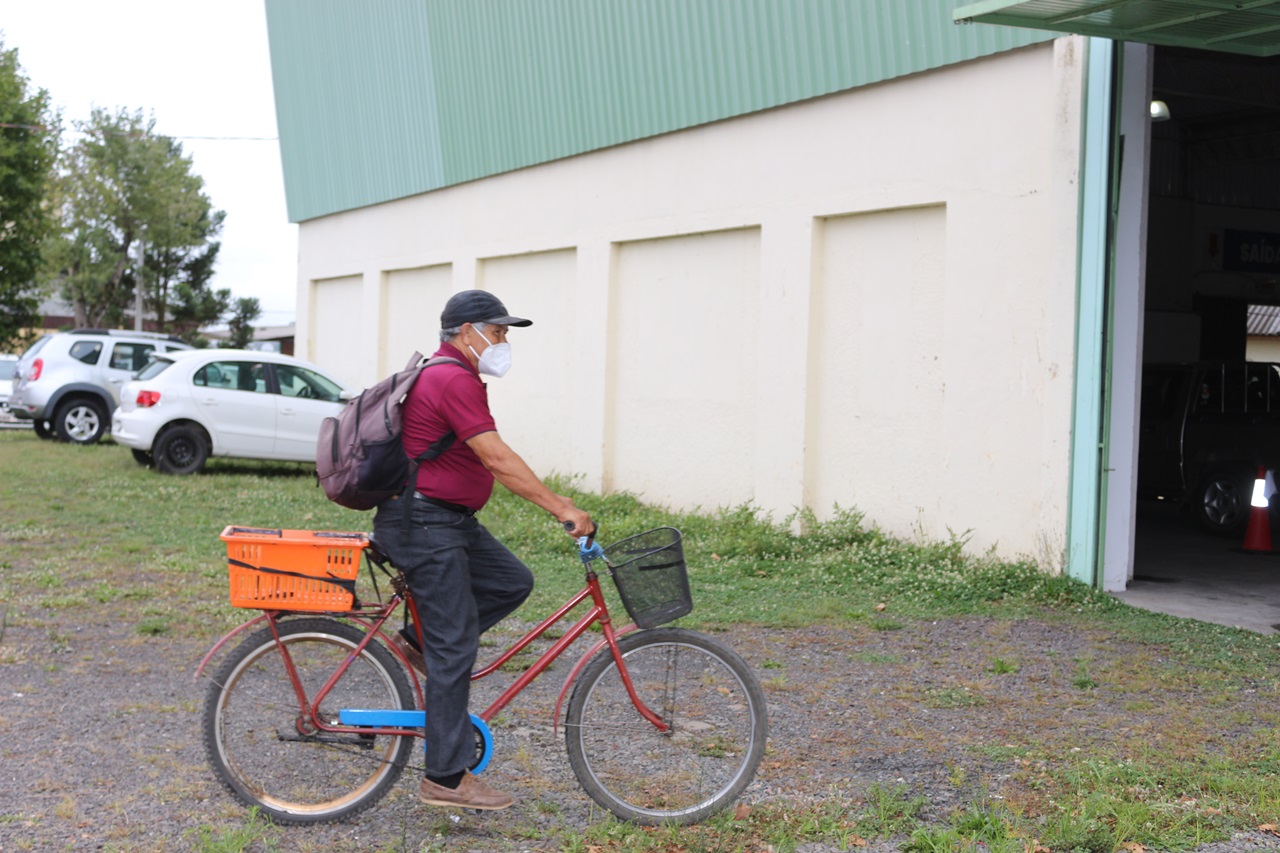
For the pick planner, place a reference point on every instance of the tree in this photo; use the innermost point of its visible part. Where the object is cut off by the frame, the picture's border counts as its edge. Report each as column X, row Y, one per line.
column 177, row 280
column 134, row 215
column 240, row 327
column 28, row 151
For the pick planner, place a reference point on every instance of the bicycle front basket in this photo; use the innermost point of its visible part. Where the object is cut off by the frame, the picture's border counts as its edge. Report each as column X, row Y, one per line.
column 651, row 576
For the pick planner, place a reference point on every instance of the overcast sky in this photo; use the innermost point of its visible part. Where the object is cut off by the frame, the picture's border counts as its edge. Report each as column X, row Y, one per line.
column 203, row 70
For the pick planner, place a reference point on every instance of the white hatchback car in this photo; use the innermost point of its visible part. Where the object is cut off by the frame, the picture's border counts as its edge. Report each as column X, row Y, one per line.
column 189, row 405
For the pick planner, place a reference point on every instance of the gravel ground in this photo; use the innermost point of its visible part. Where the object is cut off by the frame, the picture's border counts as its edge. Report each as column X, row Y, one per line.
column 100, row 745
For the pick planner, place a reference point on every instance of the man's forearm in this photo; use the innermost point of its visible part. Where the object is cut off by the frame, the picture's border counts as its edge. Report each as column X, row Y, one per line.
column 510, row 469
column 516, row 475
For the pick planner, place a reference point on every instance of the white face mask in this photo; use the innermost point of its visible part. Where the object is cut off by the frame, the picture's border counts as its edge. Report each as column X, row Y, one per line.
column 496, row 360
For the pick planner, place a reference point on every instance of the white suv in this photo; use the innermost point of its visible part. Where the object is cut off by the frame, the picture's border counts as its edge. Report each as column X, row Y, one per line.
column 68, row 383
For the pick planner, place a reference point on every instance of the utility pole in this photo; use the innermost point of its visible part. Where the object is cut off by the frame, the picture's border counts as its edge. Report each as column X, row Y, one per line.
column 137, row 287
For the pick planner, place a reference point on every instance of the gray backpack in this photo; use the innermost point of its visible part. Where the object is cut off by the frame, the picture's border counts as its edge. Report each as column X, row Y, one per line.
column 360, row 460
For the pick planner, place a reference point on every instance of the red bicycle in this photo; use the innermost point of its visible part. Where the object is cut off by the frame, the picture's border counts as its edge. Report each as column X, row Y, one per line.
column 313, row 717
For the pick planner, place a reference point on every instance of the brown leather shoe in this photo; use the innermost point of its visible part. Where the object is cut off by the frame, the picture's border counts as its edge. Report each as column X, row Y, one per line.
column 471, row 793
column 414, row 656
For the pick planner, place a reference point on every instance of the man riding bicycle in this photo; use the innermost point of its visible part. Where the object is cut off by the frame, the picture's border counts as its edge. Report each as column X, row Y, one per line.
column 463, row 580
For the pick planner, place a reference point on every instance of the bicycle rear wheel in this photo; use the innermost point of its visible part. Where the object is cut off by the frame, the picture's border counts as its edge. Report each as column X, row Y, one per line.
column 269, row 755
column 708, row 696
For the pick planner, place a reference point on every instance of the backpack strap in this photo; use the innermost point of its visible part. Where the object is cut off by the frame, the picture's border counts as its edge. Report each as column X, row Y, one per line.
column 444, row 442
column 437, row 447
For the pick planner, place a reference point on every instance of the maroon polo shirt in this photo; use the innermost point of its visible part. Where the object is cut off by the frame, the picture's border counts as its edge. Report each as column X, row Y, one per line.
column 449, row 398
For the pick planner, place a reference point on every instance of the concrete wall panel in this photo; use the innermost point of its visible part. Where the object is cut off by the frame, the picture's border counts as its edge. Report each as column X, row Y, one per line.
column 534, row 403
column 682, row 369
column 336, row 314
column 876, row 400
column 411, row 304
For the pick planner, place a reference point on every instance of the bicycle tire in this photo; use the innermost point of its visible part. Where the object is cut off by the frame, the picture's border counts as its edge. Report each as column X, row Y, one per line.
column 259, row 745
column 719, row 725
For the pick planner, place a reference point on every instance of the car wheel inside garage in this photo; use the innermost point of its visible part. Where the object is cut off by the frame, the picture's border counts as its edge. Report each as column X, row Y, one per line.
column 1222, row 502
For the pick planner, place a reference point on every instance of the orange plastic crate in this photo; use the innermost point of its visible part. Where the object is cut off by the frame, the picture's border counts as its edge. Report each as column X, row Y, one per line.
column 276, row 569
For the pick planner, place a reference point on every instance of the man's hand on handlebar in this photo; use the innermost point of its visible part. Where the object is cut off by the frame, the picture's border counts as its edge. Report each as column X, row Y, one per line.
column 577, row 522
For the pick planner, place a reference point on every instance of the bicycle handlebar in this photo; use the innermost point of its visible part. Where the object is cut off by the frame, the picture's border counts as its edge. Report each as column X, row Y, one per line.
column 588, row 548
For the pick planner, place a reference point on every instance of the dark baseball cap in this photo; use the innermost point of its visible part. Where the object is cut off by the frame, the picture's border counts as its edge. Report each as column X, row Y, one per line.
column 477, row 306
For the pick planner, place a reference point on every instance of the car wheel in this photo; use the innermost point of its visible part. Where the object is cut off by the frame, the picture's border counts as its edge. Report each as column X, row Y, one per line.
column 1222, row 502
column 81, row 421
column 181, row 450
column 43, row 429
column 142, row 457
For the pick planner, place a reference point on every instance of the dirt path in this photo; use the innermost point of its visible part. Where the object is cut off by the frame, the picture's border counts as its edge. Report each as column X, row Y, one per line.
column 100, row 746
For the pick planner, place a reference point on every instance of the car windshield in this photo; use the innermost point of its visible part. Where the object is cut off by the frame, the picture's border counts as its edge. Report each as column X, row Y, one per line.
column 7, row 368
column 300, row 382
column 155, row 368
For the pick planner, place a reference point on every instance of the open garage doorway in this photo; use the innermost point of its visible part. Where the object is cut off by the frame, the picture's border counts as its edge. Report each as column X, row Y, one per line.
column 1194, row 189
column 1210, row 399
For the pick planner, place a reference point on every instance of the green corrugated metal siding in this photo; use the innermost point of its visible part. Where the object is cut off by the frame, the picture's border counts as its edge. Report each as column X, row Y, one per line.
column 389, row 98
column 1248, row 27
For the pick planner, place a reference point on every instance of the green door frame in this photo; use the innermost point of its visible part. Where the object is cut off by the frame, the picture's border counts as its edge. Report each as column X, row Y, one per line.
column 1086, row 515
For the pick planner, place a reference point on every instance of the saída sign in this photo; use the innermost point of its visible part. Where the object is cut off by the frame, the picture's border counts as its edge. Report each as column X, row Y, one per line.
column 1251, row 251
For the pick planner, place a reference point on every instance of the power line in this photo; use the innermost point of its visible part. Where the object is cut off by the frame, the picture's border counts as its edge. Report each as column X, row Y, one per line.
column 230, row 138
column 46, row 129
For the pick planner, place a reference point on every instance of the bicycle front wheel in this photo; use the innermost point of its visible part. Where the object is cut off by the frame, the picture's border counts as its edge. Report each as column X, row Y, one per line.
column 269, row 754
column 703, row 691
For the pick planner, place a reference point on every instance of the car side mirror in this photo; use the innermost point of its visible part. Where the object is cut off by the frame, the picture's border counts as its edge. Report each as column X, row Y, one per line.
column 346, row 395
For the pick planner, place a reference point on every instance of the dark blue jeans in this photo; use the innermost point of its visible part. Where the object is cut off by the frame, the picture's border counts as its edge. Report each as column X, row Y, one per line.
column 464, row 581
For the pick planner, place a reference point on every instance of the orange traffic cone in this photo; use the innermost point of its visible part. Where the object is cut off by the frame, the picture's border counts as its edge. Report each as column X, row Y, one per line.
column 1257, row 538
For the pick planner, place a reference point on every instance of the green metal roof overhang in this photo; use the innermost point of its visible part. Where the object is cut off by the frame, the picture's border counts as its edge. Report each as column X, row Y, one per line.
column 1250, row 27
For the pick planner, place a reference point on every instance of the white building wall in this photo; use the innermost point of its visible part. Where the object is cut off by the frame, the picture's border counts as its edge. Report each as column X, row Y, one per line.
column 864, row 299
column 336, row 320
column 533, row 409
column 869, row 392
column 410, row 311
column 681, row 392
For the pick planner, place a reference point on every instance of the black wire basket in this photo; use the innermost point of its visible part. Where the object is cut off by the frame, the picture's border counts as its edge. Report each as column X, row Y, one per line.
column 651, row 576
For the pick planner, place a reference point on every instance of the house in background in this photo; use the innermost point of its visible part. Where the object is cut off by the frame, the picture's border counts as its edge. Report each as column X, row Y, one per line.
column 811, row 254
column 1264, row 333
column 269, row 338
column 56, row 315
column 59, row 316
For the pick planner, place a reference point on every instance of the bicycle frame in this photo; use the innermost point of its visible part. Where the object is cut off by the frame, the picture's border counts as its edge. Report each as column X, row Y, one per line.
column 401, row 723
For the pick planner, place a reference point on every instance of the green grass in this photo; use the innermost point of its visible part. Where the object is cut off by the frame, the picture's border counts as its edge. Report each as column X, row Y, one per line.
column 84, row 529
column 255, row 833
